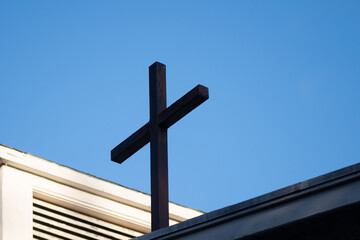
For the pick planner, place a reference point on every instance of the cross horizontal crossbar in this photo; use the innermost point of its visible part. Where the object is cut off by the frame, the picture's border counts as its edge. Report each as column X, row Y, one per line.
column 167, row 118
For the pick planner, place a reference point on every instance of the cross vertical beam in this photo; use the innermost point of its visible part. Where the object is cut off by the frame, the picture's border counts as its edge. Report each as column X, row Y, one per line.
column 158, row 148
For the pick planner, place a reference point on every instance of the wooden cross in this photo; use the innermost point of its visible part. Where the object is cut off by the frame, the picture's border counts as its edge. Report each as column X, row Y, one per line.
column 155, row 131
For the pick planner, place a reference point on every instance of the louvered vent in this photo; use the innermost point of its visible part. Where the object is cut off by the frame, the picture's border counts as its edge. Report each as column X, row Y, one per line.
column 51, row 221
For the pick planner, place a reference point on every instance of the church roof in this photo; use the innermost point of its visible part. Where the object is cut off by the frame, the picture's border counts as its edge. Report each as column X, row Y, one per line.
column 324, row 207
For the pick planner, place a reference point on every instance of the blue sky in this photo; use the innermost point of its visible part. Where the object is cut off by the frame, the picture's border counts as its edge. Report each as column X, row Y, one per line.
column 284, row 81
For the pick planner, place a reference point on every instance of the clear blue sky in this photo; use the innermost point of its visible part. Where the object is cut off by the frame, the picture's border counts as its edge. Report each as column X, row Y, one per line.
column 284, row 80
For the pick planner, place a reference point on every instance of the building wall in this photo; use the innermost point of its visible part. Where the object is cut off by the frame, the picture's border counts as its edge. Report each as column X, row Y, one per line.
column 40, row 199
column 16, row 204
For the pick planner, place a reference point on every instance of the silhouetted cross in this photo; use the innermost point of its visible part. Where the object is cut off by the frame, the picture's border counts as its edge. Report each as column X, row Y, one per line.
column 155, row 131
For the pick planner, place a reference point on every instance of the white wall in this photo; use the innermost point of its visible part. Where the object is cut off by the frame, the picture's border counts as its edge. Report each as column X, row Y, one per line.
column 16, row 204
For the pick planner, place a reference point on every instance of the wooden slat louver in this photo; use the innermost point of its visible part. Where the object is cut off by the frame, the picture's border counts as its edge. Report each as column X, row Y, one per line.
column 52, row 221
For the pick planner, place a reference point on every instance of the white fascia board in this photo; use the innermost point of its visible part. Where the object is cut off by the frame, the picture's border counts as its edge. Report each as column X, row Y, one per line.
column 85, row 182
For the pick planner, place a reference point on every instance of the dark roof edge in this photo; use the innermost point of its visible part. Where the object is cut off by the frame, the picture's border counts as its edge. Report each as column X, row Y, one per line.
column 297, row 190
